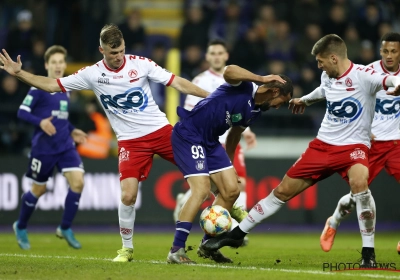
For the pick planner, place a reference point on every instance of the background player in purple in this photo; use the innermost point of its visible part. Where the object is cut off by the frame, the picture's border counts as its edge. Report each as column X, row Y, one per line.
column 199, row 154
column 385, row 150
column 341, row 145
column 52, row 146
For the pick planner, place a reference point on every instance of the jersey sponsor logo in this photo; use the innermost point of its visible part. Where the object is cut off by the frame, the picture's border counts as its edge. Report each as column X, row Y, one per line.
column 105, row 81
column 133, row 100
column 388, row 107
column 357, row 154
column 63, row 105
column 228, row 118
column 28, row 100
column 132, row 73
column 236, row 117
column 200, row 165
column 344, row 111
column 123, row 155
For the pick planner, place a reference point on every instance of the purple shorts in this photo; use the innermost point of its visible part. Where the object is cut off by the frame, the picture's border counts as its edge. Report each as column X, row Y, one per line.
column 195, row 159
column 41, row 167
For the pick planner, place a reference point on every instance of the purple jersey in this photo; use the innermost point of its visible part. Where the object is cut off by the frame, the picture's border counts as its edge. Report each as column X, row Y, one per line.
column 227, row 106
column 39, row 105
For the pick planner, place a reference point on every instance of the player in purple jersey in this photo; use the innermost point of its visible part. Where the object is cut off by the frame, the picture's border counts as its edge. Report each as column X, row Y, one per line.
column 52, row 146
column 200, row 156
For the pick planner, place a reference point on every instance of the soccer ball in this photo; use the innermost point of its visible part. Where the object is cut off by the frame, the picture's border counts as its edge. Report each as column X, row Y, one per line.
column 215, row 220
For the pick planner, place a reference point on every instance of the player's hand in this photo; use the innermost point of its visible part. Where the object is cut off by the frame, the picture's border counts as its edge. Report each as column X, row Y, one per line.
column 47, row 126
column 297, row 106
column 373, row 137
column 7, row 64
column 271, row 78
column 250, row 138
column 79, row 136
column 396, row 91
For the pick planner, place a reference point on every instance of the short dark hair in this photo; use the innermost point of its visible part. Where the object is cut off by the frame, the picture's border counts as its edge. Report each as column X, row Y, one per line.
column 52, row 50
column 111, row 36
column 330, row 44
column 217, row 42
column 391, row 37
column 284, row 89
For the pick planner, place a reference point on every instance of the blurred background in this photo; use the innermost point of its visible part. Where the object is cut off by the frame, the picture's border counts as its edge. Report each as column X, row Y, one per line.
column 264, row 36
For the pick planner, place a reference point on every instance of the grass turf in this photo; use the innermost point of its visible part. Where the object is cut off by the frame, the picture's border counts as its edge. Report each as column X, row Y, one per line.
column 268, row 256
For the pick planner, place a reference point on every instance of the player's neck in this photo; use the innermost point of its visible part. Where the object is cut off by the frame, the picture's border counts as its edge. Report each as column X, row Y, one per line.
column 343, row 67
column 216, row 71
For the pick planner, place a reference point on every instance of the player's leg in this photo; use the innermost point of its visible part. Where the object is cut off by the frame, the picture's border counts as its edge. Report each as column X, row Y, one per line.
column 76, row 181
column 240, row 167
column 39, row 171
column 366, row 212
column 71, row 166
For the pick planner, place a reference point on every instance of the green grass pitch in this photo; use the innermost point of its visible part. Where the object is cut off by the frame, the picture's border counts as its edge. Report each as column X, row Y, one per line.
column 268, row 256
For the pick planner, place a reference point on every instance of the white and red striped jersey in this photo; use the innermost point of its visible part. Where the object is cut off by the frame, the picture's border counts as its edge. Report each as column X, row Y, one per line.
column 124, row 94
column 209, row 81
column 386, row 121
column 350, row 105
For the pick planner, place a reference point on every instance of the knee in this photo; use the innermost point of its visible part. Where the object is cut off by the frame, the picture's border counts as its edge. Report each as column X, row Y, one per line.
column 128, row 197
column 76, row 184
column 231, row 194
column 358, row 184
column 38, row 191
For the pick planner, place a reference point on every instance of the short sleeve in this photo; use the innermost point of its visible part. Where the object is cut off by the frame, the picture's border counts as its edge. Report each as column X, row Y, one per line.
column 372, row 80
column 158, row 74
column 77, row 81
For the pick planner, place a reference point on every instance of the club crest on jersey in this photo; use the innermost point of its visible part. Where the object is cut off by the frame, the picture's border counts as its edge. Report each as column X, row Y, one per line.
column 348, row 82
column 200, row 165
column 132, row 73
column 357, row 154
column 344, row 111
column 123, row 155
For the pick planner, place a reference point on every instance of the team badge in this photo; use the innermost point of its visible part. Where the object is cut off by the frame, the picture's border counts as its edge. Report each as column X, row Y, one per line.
column 123, row 155
column 236, row 117
column 348, row 82
column 200, row 165
column 357, row 154
column 132, row 73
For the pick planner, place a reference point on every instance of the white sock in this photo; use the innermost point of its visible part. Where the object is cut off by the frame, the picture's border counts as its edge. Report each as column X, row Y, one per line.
column 241, row 201
column 343, row 209
column 126, row 215
column 234, row 224
column 262, row 210
column 366, row 213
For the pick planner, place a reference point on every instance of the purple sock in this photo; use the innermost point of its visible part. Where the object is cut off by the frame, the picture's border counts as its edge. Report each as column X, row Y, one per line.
column 181, row 234
column 70, row 209
column 28, row 204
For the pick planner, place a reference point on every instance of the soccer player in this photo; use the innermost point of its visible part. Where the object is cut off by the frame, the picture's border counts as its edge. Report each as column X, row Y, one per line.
column 52, row 145
column 121, row 83
column 341, row 145
column 385, row 151
column 200, row 156
column 209, row 80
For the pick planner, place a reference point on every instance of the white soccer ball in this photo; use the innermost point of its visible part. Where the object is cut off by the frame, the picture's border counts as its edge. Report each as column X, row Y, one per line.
column 215, row 220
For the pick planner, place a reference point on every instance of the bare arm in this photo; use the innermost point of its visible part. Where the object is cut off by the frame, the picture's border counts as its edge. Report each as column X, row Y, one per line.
column 15, row 69
column 232, row 140
column 186, row 87
column 234, row 74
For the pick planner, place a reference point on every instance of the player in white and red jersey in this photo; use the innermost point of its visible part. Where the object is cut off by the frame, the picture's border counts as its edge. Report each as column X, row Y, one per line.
column 341, row 145
column 209, row 80
column 121, row 83
column 385, row 149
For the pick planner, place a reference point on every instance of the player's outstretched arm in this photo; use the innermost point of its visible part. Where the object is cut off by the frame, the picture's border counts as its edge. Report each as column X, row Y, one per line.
column 186, row 87
column 234, row 74
column 297, row 106
column 15, row 69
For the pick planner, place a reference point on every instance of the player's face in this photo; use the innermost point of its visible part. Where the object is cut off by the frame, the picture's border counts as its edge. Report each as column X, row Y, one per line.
column 328, row 64
column 271, row 100
column 217, row 56
column 56, row 66
column 390, row 53
column 114, row 57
